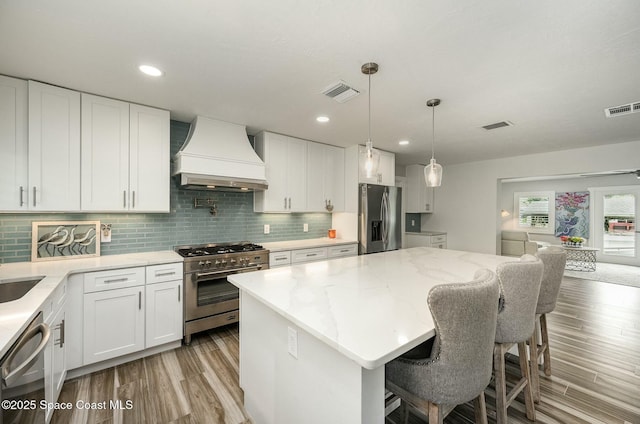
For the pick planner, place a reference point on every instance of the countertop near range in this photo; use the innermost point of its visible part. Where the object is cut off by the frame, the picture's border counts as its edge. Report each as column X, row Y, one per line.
column 16, row 315
column 426, row 233
column 278, row 246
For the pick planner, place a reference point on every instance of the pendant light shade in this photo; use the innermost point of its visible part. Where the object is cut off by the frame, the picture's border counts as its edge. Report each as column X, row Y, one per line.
column 433, row 171
column 372, row 156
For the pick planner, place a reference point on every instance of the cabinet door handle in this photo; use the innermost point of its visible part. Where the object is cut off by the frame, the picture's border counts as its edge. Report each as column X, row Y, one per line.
column 285, row 203
column 289, row 202
column 179, row 290
column 116, row 280
column 60, row 341
column 124, row 198
column 133, row 199
column 21, row 196
column 139, row 300
column 34, row 196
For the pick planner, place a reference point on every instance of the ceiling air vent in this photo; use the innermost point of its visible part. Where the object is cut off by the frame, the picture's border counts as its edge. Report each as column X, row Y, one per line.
column 497, row 125
column 340, row 92
column 622, row 110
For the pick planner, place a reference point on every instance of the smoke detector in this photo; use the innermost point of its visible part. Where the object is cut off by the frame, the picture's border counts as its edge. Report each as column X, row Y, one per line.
column 340, row 92
column 622, row 110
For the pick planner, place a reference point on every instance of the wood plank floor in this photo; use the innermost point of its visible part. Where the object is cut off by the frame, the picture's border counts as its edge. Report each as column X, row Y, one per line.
column 595, row 348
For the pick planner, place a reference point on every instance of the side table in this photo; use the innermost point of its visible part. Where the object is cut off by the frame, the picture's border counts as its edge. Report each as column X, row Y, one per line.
column 581, row 258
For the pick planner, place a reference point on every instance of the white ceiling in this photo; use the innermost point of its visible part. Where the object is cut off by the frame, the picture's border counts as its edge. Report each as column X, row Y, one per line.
column 550, row 67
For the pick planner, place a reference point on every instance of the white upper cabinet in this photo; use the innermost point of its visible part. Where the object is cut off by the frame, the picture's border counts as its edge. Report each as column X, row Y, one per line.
column 419, row 196
column 285, row 160
column 325, row 178
column 54, row 148
column 149, row 172
column 13, row 144
column 105, row 153
column 125, row 156
column 386, row 174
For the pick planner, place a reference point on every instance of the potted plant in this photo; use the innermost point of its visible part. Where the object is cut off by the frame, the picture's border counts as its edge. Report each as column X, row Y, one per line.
column 571, row 241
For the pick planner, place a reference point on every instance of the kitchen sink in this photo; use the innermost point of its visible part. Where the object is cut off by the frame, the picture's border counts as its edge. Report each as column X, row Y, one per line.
column 14, row 289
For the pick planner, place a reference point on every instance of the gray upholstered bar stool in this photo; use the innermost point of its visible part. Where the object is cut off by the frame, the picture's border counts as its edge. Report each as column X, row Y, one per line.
column 554, row 260
column 454, row 367
column 520, row 285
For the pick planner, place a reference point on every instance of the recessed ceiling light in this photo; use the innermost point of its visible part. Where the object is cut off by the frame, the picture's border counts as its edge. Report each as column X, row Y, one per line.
column 150, row 70
column 403, row 142
column 322, row 119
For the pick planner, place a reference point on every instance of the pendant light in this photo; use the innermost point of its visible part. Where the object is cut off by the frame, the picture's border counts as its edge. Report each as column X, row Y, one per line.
column 372, row 156
column 433, row 171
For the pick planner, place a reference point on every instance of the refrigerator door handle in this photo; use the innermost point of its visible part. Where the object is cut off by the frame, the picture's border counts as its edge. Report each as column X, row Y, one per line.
column 384, row 217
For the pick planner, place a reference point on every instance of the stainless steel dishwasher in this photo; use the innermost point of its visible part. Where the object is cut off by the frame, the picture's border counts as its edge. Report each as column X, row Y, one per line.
column 22, row 374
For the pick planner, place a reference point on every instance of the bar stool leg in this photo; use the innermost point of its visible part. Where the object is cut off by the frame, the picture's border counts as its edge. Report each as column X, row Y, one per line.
column 480, row 409
column 545, row 344
column 501, row 387
column 533, row 363
column 528, row 393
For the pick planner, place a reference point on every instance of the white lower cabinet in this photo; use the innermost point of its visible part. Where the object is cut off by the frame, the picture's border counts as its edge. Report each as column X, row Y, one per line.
column 438, row 241
column 163, row 313
column 296, row 256
column 56, row 373
column 121, row 311
column 113, row 323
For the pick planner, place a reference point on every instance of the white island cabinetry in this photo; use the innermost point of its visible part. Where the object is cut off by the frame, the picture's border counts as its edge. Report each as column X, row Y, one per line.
column 322, row 334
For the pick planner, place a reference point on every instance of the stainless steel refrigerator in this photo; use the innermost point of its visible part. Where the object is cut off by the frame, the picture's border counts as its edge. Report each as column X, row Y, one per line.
column 379, row 218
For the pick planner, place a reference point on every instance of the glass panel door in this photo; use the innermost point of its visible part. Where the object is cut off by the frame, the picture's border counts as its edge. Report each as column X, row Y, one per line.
column 615, row 218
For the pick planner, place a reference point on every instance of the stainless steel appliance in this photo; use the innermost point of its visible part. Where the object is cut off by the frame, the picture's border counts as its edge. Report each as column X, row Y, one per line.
column 380, row 211
column 22, row 375
column 210, row 300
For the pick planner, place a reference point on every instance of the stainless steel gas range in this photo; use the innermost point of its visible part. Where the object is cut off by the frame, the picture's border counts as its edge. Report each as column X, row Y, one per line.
column 210, row 300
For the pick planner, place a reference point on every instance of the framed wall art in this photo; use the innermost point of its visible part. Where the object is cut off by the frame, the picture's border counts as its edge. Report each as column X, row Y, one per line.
column 54, row 240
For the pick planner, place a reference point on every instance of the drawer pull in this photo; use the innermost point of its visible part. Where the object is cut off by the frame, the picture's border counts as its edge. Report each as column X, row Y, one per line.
column 311, row 254
column 281, row 258
column 345, row 250
column 116, row 280
column 162, row 274
column 231, row 317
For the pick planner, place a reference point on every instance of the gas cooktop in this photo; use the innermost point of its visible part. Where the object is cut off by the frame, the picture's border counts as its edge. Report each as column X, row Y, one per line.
column 217, row 249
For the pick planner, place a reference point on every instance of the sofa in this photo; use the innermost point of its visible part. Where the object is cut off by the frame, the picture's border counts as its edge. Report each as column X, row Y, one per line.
column 517, row 243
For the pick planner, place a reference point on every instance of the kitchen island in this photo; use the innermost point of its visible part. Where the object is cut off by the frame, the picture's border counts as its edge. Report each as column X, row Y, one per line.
column 314, row 338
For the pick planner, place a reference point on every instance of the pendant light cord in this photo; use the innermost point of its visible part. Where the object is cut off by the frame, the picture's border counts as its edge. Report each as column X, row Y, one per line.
column 433, row 131
column 369, row 135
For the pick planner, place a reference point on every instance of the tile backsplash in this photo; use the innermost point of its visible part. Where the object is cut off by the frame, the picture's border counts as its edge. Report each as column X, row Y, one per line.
column 235, row 221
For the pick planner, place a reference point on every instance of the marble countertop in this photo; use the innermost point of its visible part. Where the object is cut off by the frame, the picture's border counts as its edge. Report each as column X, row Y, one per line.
column 372, row 308
column 278, row 246
column 17, row 314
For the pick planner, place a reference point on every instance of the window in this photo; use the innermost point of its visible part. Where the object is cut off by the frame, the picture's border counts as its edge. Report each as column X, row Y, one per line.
column 535, row 211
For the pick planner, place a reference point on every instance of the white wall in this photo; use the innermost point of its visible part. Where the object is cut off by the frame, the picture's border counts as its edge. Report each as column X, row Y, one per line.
column 467, row 205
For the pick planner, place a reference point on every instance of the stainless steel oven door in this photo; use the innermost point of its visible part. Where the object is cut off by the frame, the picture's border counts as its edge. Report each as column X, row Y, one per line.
column 209, row 292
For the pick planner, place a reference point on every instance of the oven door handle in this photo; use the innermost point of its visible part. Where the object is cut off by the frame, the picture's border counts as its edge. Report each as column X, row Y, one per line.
column 227, row 272
column 10, row 377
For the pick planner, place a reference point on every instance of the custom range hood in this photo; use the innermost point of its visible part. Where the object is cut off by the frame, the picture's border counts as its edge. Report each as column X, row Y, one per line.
column 217, row 155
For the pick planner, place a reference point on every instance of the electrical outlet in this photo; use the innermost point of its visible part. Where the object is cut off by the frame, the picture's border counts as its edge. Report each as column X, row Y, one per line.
column 105, row 233
column 305, row 228
column 413, row 222
column 267, row 228
column 292, row 342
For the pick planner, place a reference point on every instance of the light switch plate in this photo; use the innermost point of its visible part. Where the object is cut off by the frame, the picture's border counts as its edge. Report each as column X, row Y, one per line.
column 305, row 228
column 267, row 228
column 292, row 342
